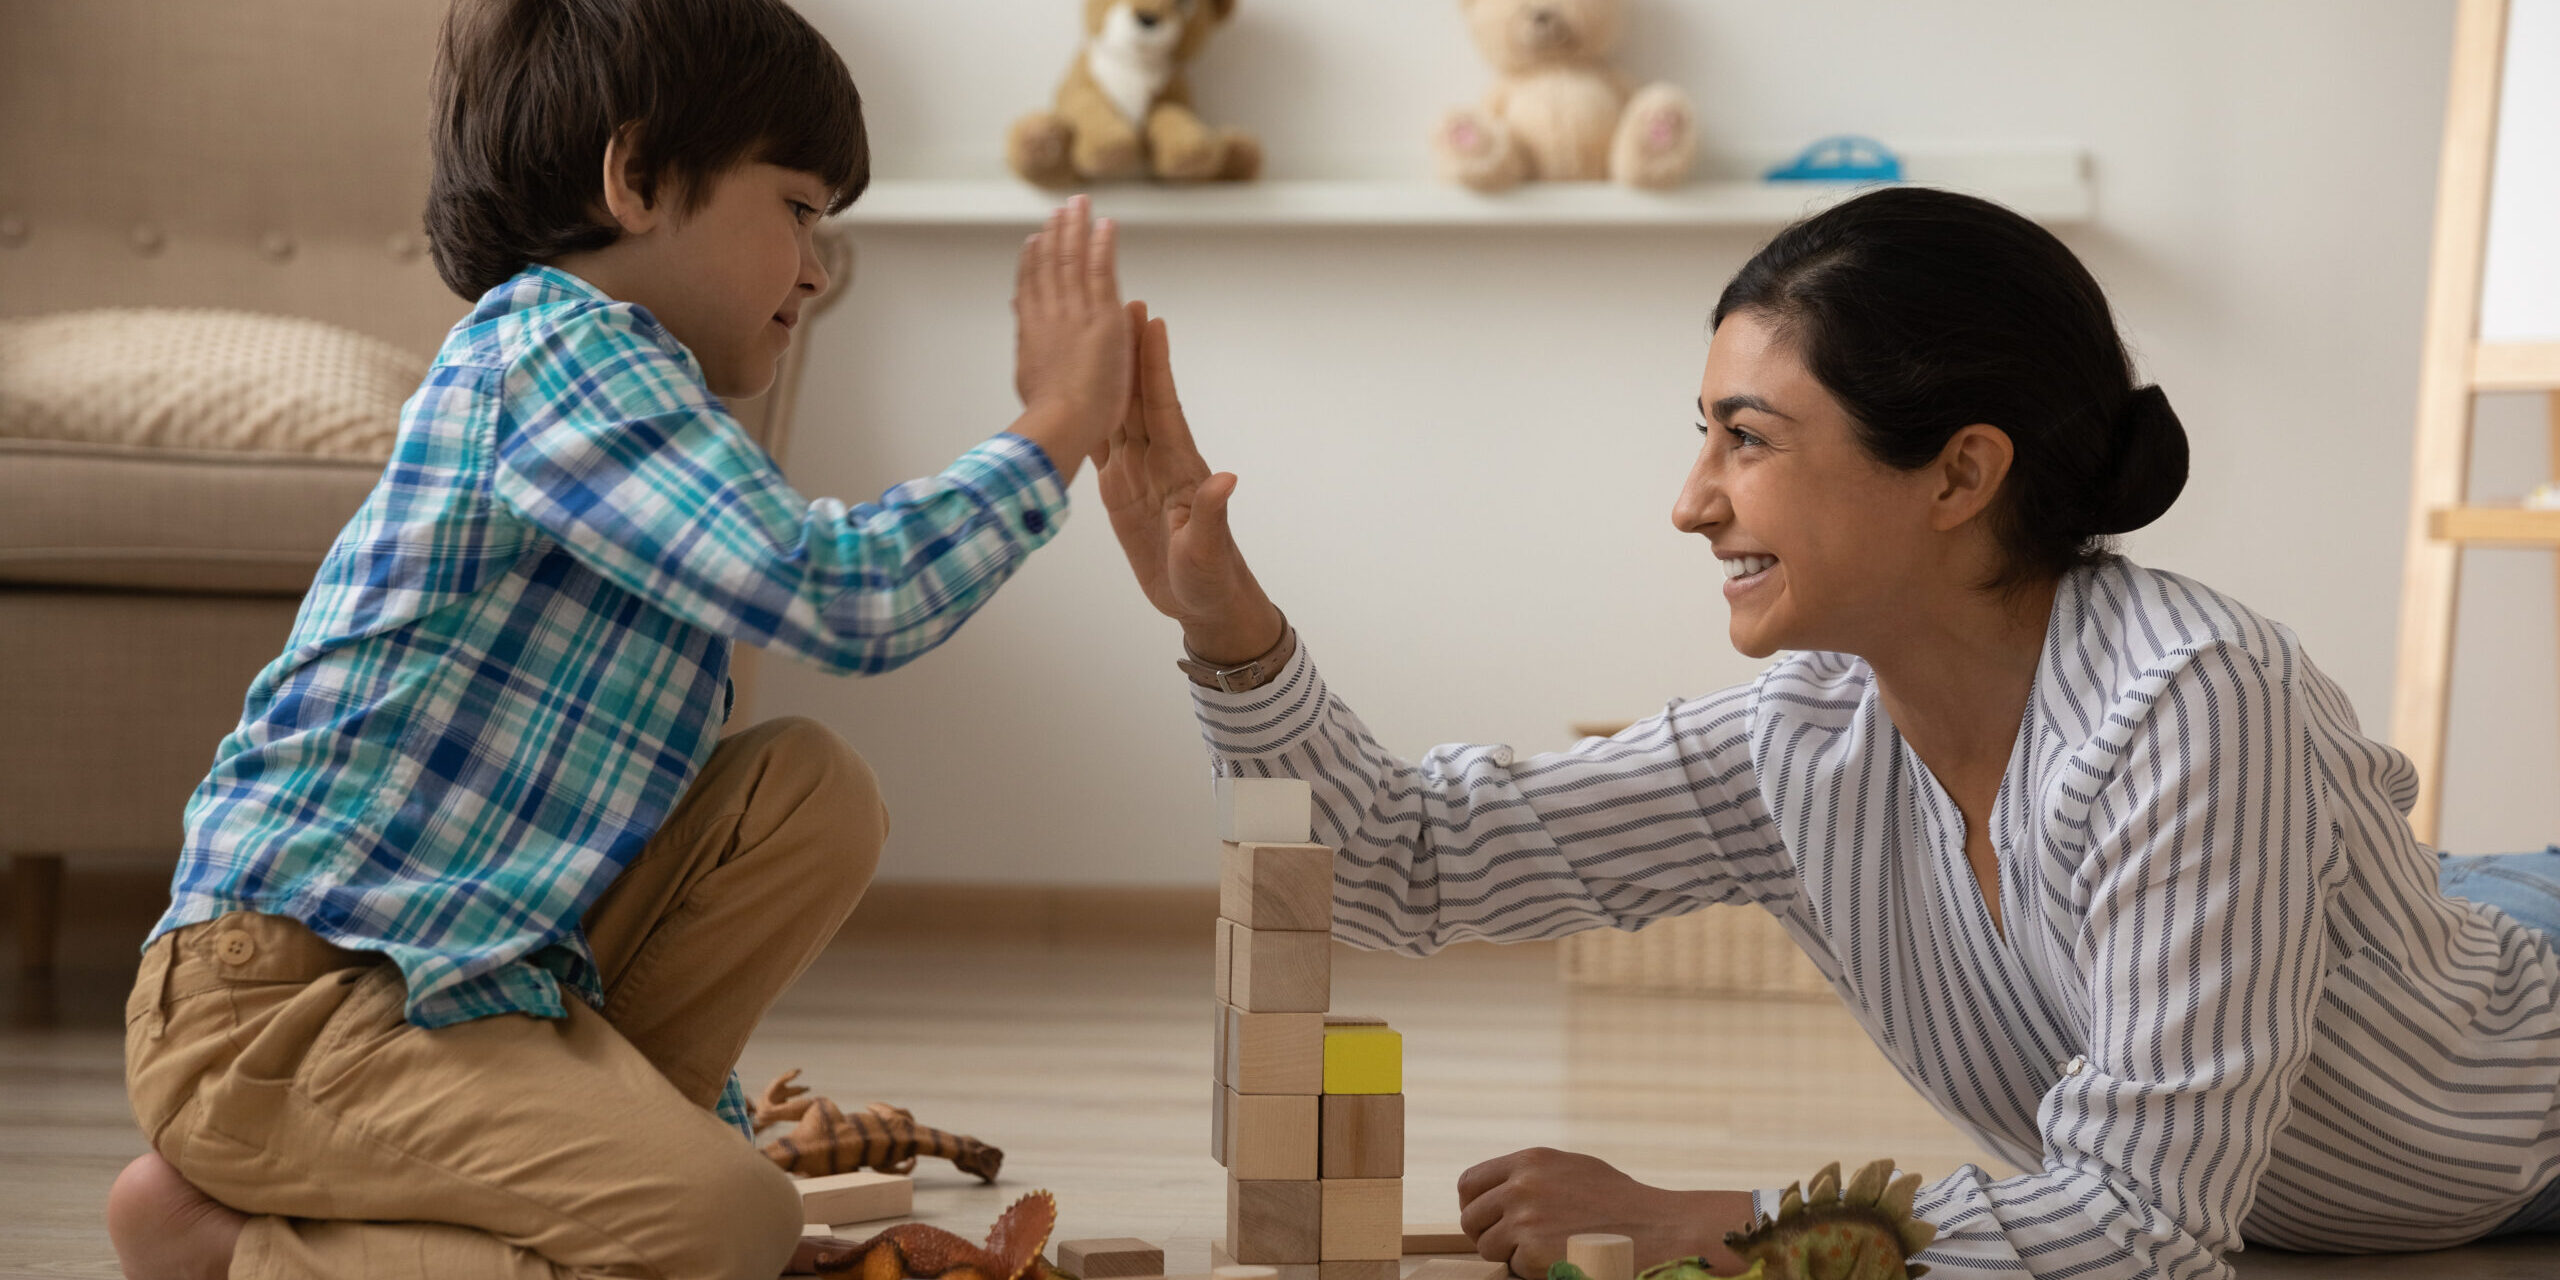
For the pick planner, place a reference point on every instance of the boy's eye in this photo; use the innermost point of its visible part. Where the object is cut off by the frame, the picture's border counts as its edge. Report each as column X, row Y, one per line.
column 802, row 212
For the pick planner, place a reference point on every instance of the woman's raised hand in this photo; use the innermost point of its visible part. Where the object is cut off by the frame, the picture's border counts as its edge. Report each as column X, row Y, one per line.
column 1170, row 513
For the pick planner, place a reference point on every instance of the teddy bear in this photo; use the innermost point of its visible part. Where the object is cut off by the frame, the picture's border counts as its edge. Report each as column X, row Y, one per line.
column 1559, row 112
column 1125, row 109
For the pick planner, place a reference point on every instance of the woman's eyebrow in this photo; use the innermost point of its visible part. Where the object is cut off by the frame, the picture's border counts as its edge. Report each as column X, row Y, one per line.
column 1724, row 410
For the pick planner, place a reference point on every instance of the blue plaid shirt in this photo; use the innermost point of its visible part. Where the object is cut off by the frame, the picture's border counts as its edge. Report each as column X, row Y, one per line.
column 515, row 658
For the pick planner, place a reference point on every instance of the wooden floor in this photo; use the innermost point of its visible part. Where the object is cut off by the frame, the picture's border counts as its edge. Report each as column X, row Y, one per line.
column 1089, row 1065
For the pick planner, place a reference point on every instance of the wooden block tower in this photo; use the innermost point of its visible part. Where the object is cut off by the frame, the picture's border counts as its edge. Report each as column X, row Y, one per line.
column 1308, row 1111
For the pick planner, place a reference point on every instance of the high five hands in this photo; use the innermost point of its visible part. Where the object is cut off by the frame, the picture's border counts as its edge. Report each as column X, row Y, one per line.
column 1073, row 350
column 1170, row 512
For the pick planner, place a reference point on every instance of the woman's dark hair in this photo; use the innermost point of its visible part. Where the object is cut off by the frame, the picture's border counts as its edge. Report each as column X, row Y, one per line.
column 527, row 93
column 1924, row 312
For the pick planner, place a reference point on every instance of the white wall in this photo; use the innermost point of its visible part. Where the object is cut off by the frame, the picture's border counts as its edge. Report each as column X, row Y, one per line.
column 1458, row 449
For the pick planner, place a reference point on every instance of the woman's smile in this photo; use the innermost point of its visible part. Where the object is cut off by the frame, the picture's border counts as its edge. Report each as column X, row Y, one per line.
column 1742, row 573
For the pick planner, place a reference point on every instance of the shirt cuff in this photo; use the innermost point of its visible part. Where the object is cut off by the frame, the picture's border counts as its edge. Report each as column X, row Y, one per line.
column 1017, row 481
column 1265, row 721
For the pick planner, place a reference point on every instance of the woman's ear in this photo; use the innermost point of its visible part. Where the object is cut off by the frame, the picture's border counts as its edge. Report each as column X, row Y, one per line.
column 628, row 191
column 1970, row 470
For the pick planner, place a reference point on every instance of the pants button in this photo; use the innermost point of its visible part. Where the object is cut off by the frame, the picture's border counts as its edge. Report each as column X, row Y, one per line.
column 234, row 948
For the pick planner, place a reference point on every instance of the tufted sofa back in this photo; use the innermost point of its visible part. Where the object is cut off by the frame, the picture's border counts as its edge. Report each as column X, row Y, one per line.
column 261, row 155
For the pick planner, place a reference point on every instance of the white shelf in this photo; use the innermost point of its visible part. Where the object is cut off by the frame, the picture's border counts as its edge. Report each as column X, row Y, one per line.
column 2050, row 185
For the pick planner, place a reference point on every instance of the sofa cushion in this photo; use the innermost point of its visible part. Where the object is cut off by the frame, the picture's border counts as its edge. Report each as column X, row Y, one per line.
column 187, row 450
column 161, row 378
column 171, row 519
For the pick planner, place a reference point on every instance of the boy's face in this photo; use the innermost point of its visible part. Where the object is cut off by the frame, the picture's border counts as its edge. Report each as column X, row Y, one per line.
column 729, row 279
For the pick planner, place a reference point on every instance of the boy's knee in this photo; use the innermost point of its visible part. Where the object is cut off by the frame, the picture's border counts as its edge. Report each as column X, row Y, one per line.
column 740, row 1216
column 841, row 789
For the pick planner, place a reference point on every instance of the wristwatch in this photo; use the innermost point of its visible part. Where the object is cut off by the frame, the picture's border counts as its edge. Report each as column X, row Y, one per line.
column 1248, row 675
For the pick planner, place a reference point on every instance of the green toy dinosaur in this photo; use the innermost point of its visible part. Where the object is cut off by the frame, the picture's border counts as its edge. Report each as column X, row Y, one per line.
column 1866, row 1233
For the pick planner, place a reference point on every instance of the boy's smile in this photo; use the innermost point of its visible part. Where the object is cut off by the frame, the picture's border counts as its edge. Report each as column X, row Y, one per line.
column 729, row 277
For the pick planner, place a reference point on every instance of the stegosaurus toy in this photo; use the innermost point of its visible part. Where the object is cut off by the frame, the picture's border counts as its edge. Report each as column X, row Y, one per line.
column 1866, row 1233
column 914, row 1251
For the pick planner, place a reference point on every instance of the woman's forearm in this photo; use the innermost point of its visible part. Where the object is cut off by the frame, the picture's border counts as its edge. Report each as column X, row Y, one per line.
column 1236, row 635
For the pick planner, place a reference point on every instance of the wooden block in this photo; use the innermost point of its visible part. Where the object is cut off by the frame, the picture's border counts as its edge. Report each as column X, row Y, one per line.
column 1437, row 1237
column 1363, row 1059
column 1218, row 1117
column 1277, row 886
column 1221, row 1033
column 1274, row 1052
column 856, row 1197
column 1275, row 1223
column 1363, row 1269
column 1223, row 1266
column 1460, row 1269
column 1223, row 985
column 1276, row 810
column 1363, row 1136
column 1602, row 1256
column 1104, row 1259
column 1281, row 970
column 1271, row 1137
column 1364, row 1219
column 1352, row 1020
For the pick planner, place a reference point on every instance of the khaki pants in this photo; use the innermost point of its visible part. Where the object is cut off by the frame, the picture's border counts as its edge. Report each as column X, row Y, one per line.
column 277, row 1073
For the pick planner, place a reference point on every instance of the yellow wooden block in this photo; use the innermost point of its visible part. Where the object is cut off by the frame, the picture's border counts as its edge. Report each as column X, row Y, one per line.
column 1361, row 1059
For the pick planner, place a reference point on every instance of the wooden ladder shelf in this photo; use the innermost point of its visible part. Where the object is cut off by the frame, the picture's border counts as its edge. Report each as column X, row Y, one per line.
column 2456, row 367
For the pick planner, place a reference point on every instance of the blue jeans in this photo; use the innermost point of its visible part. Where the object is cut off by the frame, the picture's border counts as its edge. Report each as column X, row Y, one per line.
column 2527, row 887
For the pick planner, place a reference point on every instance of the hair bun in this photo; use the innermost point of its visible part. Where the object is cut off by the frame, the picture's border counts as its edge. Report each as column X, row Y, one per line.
column 2149, row 467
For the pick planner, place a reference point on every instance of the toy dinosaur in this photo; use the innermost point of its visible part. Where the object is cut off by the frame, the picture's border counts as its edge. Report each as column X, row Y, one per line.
column 826, row 1140
column 1866, row 1233
column 913, row 1251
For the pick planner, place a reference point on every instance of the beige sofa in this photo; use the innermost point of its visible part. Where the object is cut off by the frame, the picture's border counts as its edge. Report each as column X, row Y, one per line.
column 257, row 155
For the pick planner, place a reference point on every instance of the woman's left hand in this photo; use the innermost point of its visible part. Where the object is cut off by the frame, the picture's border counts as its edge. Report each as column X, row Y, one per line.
column 814, row 1252
column 1522, row 1207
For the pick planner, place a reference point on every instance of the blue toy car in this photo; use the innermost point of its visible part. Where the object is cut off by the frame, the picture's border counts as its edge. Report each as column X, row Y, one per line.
column 1845, row 157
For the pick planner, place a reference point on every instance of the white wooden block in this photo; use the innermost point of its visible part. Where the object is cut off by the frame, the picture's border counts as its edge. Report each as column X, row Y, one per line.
column 1269, row 810
column 862, row 1196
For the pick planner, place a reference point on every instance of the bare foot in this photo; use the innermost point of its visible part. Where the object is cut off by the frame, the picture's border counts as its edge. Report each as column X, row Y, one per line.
column 165, row 1229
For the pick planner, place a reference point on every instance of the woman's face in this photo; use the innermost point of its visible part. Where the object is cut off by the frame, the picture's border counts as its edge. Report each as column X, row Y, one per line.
column 1821, row 544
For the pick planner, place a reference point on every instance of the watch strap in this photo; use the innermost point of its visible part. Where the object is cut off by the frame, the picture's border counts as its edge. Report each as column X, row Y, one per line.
column 1251, row 674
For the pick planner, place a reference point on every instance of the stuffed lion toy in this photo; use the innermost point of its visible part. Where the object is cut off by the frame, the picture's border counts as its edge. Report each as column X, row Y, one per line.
column 1125, row 109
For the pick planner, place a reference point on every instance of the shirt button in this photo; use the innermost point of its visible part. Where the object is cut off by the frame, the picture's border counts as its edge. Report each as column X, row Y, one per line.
column 2075, row 1066
column 234, row 948
column 1035, row 521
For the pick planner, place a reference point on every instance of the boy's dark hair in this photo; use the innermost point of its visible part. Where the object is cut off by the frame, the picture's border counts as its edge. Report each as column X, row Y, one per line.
column 528, row 92
column 1924, row 311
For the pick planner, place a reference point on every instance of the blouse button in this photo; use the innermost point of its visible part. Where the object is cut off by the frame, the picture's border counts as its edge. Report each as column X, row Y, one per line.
column 234, row 948
column 1036, row 522
column 2075, row 1066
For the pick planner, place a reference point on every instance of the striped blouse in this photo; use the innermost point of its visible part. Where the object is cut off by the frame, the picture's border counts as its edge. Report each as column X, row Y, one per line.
column 2231, row 1003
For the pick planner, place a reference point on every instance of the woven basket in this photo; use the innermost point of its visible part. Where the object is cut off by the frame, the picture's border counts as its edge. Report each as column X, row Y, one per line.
column 1725, row 951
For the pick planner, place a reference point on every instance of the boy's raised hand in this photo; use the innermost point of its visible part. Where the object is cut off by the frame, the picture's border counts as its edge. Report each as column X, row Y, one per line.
column 1072, row 349
column 1170, row 513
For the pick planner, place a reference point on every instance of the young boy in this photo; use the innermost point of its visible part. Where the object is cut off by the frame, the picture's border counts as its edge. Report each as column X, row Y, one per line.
column 475, row 913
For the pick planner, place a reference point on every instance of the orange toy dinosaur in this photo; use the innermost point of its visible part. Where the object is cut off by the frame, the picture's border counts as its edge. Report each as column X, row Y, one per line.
column 826, row 1140
column 913, row 1251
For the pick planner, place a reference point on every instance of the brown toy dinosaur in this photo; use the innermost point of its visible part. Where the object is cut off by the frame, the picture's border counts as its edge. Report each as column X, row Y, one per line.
column 826, row 1140
column 1864, row 1233
column 913, row 1251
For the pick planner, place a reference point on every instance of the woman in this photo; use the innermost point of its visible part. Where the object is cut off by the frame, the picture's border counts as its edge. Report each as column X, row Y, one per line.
column 2098, row 857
